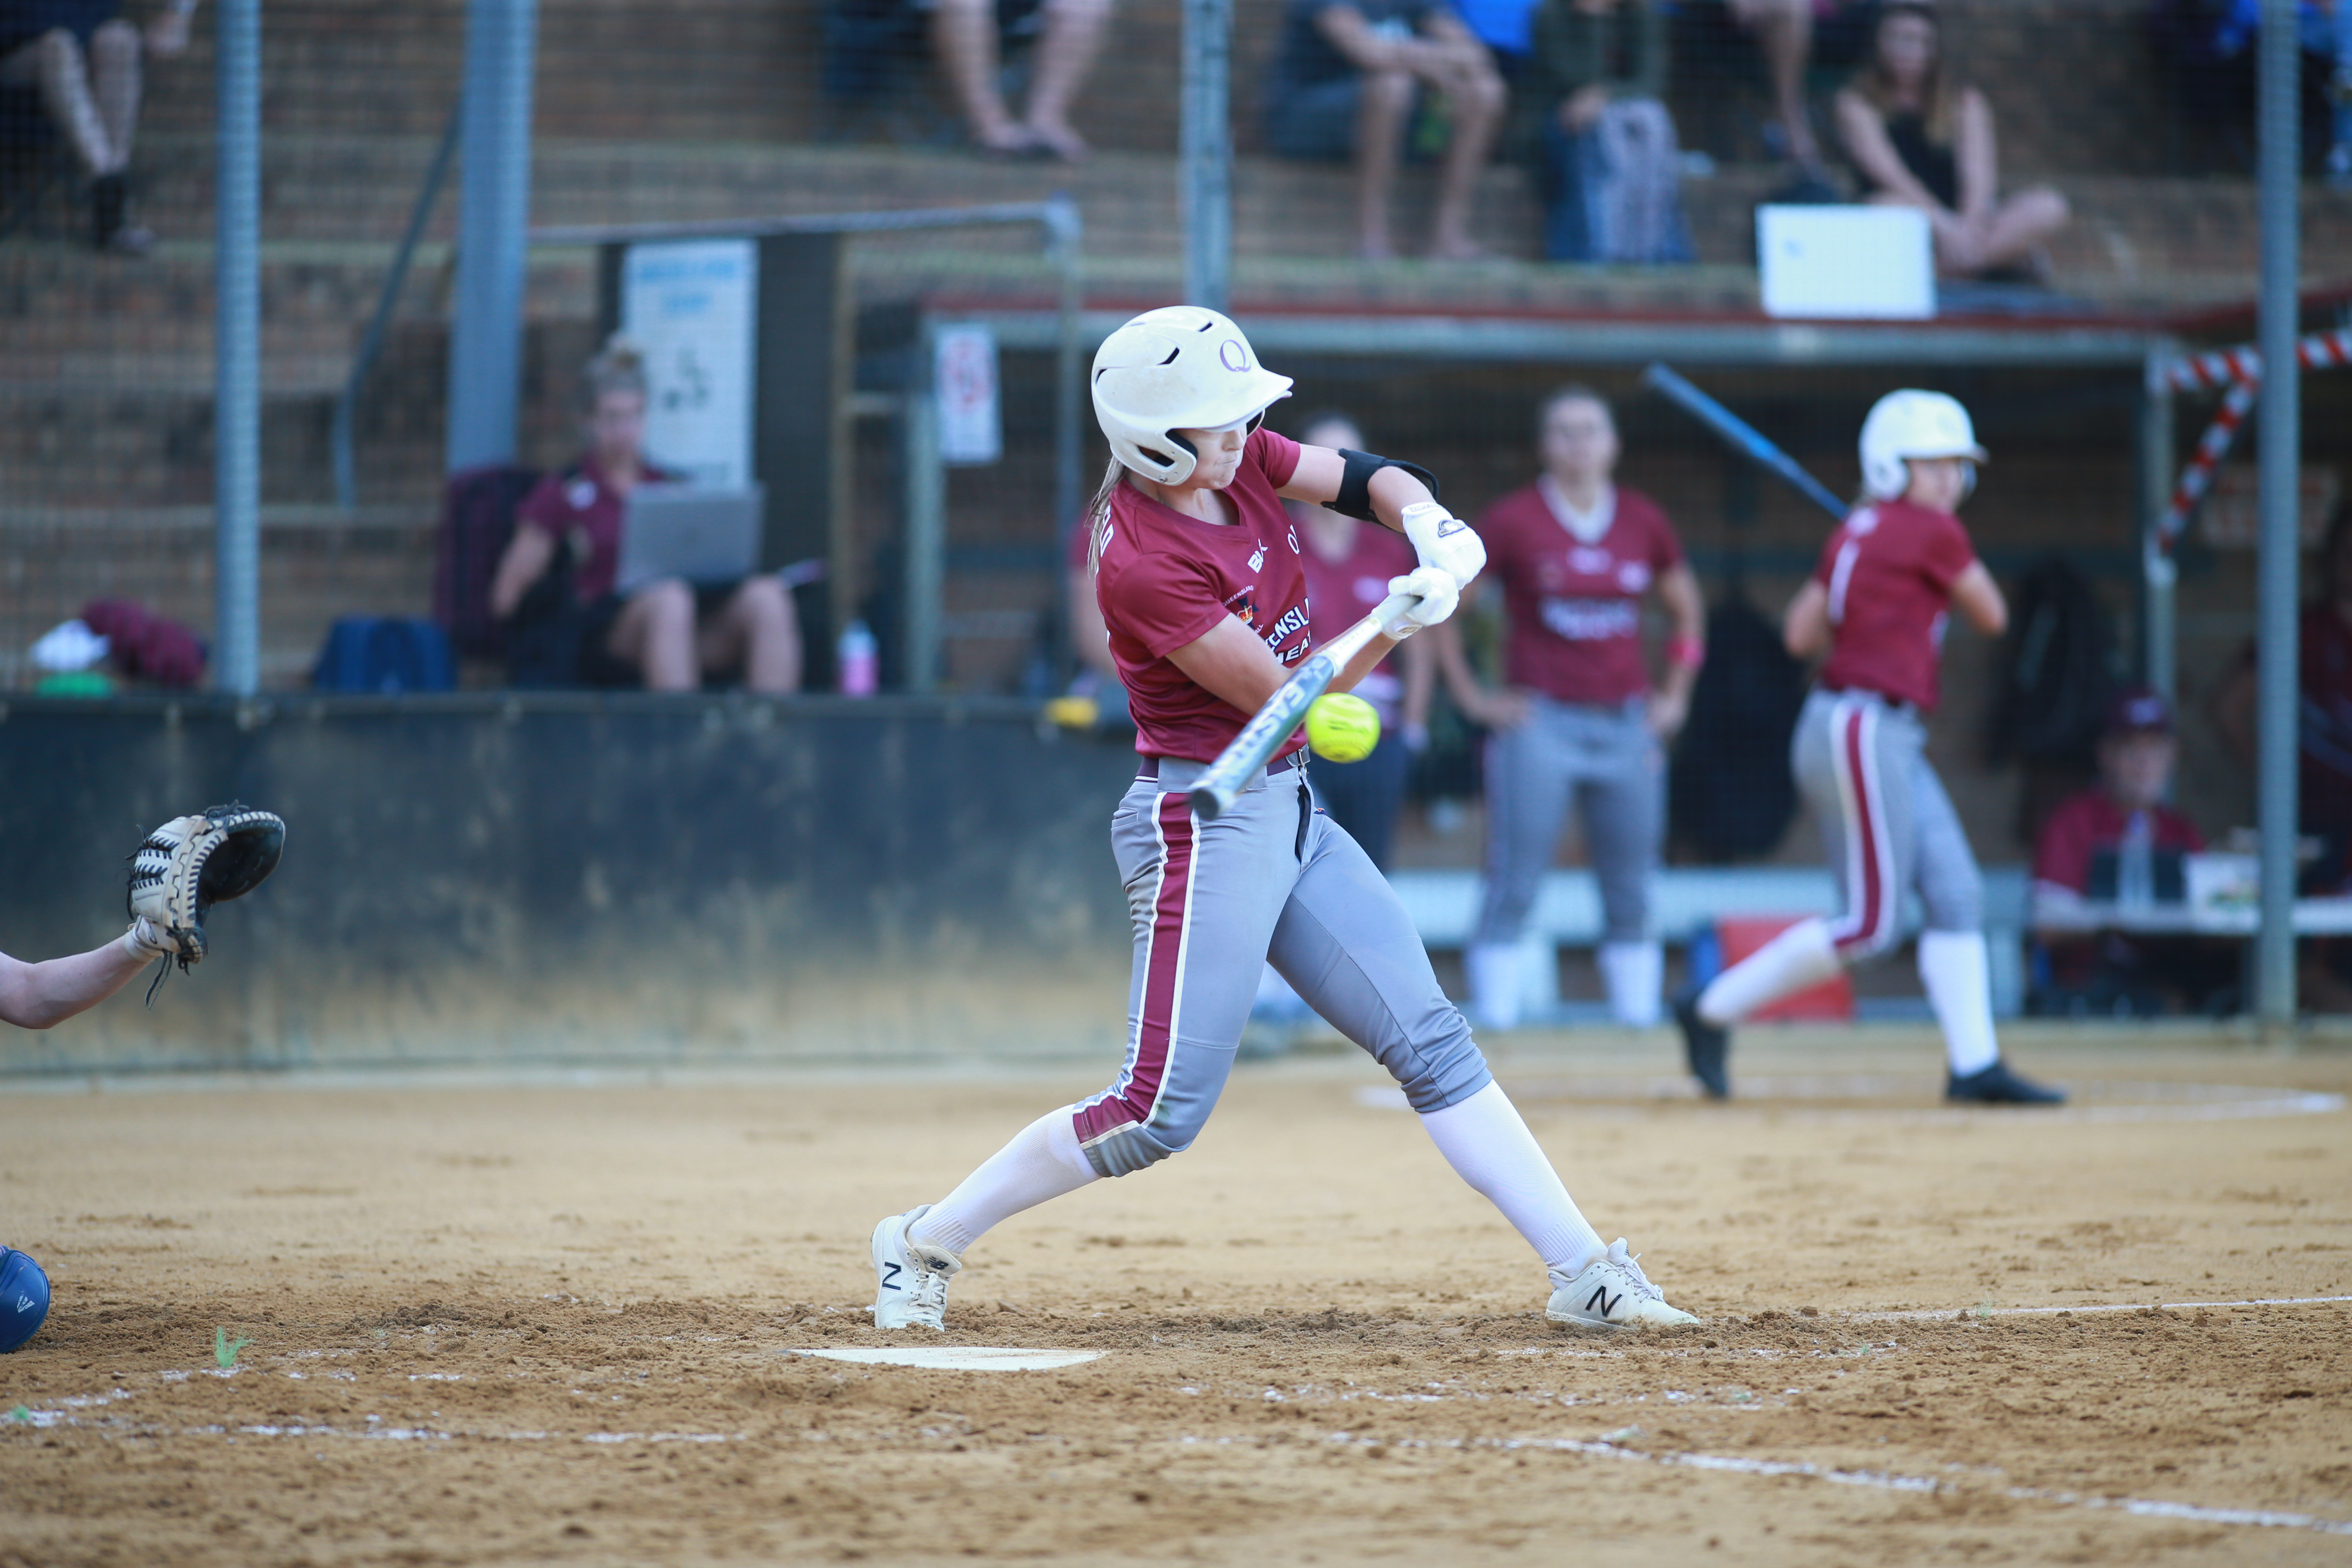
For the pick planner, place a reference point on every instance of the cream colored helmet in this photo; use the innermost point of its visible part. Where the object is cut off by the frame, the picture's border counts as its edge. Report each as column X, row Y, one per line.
column 1912, row 423
column 1177, row 368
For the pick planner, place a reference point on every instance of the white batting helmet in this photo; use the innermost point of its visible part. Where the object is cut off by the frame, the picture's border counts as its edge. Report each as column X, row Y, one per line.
column 1177, row 368
column 1912, row 423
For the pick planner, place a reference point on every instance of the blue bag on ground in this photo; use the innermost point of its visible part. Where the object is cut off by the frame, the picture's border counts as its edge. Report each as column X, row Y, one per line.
column 381, row 654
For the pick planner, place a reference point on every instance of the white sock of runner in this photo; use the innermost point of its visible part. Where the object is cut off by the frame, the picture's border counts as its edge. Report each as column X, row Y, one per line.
column 1043, row 1161
column 1800, row 956
column 1955, row 968
column 1489, row 1146
column 1497, row 987
column 1633, row 972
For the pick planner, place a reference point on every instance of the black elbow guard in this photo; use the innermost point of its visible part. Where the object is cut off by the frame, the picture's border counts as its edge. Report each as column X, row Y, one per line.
column 1355, row 498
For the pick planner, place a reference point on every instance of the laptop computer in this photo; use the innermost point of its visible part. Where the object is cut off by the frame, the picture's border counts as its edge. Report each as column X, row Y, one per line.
column 706, row 536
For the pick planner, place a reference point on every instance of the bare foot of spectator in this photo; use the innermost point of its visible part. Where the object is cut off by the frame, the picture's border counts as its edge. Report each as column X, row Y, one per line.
column 1075, row 30
column 1061, row 139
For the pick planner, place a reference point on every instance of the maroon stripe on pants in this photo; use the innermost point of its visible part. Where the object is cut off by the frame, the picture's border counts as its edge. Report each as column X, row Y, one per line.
column 1131, row 1098
column 1870, row 899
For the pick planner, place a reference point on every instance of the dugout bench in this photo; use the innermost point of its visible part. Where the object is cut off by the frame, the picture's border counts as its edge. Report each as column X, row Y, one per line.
column 1684, row 901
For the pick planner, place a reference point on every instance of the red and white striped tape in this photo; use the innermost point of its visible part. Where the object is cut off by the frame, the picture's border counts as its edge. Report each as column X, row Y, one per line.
column 2211, row 446
column 2194, row 372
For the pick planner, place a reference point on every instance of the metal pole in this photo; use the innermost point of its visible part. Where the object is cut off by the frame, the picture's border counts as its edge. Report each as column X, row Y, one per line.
column 2160, row 635
column 1064, row 224
column 1205, row 161
column 493, row 212
column 926, row 480
column 2282, row 443
column 347, row 484
column 236, row 366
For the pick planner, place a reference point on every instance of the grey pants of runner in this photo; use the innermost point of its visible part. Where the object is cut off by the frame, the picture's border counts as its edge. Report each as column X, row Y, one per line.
column 1605, row 760
column 1887, row 826
column 1272, row 880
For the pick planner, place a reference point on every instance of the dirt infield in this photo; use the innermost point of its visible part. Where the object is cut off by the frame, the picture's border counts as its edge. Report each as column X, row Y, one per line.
column 553, row 1324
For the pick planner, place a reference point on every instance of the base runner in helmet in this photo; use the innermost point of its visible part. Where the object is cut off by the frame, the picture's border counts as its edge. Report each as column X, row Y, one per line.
column 1876, row 606
column 1199, row 574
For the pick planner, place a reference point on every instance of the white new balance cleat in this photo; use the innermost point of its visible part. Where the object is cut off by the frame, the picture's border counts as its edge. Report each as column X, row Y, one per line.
column 1611, row 1293
column 911, row 1279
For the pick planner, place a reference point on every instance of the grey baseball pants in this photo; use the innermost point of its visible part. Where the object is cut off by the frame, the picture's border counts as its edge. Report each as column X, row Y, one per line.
column 1887, row 826
column 1272, row 880
column 1607, row 761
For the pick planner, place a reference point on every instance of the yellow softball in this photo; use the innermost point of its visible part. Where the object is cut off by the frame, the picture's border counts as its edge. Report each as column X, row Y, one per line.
column 1341, row 728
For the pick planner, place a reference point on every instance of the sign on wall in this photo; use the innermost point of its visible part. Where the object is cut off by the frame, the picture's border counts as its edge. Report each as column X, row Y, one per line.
column 692, row 306
column 971, row 424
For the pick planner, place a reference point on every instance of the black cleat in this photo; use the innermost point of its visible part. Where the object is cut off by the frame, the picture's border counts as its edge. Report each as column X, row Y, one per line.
column 1996, row 1084
column 1704, row 1047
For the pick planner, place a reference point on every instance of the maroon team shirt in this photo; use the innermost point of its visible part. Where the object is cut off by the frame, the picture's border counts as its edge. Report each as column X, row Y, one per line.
column 579, row 504
column 1575, row 609
column 1889, row 569
column 1341, row 593
column 1164, row 580
column 2089, row 821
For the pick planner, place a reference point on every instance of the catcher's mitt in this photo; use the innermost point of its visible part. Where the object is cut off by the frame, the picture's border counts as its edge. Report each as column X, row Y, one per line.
column 192, row 863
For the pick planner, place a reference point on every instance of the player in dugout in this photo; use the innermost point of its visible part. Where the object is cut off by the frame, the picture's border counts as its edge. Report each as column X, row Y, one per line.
column 1577, row 722
column 1200, row 575
column 2118, row 846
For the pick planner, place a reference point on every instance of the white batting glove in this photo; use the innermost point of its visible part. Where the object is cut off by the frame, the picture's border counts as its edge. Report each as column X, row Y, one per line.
column 1439, row 595
column 1443, row 541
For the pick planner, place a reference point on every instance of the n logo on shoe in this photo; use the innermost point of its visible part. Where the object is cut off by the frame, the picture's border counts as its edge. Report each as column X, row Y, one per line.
column 890, row 1277
column 1603, row 1303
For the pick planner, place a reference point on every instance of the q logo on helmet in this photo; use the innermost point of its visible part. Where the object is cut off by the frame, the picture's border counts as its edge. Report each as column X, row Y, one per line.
column 1233, row 355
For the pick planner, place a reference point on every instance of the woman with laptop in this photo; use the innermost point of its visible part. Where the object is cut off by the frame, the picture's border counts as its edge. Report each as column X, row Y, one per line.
column 664, row 634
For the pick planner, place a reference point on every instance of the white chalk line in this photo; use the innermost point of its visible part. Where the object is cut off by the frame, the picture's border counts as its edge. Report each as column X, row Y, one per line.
column 1974, row 1312
column 1876, row 1480
column 2109, row 1103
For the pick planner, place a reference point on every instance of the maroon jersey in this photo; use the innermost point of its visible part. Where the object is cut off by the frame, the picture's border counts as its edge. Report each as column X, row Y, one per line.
column 2089, row 821
column 1341, row 593
column 1165, row 578
column 1889, row 569
column 578, row 504
column 1575, row 609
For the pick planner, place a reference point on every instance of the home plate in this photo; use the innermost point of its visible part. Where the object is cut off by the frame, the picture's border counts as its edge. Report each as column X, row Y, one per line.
column 960, row 1358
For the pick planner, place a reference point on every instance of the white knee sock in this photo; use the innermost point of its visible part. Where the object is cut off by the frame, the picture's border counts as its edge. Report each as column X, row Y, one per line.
column 1490, row 1147
column 1497, row 985
column 1953, row 969
column 1800, row 956
column 1043, row 1160
column 1633, row 971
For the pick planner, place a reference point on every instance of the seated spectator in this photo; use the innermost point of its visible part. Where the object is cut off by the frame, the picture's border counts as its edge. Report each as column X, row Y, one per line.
column 966, row 35
column 83, row 61
column 1612, row 172
column 2209, row 45
column 1793, row 35
column 1348, row 81
column 1508, row 29
column 1348, row 565
column 669, row 634
column 2118, row 846
column 1923, row 139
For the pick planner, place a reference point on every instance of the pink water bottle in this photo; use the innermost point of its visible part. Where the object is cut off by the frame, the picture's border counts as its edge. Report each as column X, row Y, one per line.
column 859, row 661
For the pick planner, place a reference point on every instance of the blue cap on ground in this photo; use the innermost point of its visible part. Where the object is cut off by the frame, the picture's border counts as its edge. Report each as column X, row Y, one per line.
column 24, row 1299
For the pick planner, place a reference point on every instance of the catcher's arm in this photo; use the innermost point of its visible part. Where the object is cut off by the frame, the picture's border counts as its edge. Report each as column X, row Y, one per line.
column 38, row 995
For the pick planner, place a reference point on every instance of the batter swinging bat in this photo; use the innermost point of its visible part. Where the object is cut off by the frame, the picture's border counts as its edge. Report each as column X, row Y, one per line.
column 1250, row 750
column 1743, row 436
